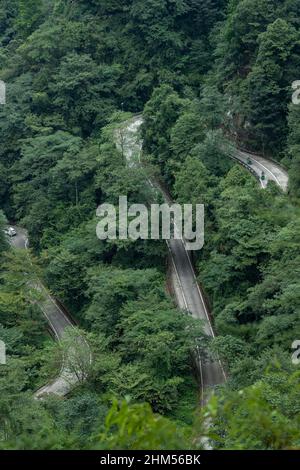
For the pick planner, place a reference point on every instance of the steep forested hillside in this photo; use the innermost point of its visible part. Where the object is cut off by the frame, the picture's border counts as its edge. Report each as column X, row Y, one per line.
column 204, row 73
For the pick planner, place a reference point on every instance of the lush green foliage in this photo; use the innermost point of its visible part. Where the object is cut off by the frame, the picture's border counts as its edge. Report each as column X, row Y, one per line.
column 201, row 70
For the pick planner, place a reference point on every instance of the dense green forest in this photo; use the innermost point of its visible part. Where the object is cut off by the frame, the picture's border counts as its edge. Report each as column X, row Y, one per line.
column 204, row 73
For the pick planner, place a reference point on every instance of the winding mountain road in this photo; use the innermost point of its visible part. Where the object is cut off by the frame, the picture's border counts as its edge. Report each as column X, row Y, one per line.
column 189, row 296
column 71, row 372
column 259, row 166
column 183, row 279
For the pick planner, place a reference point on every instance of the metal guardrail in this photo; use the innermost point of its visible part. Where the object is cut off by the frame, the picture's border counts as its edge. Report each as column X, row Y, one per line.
column 248, row 167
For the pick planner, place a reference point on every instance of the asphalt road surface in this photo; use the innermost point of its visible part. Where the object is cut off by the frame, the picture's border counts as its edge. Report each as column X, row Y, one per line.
column 187, row 291
column 186, row 288
column 259, row 166
column 70, row 374
column 184, row 284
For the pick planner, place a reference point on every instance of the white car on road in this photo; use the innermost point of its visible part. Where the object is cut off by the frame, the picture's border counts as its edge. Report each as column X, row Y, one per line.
column 11, row 232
